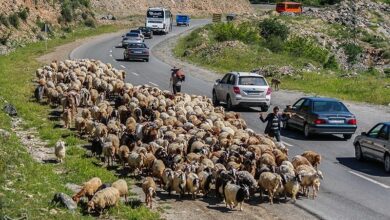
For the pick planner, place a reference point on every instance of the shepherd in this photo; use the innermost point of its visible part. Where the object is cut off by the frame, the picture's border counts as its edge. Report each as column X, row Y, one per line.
column 273, row 120
column 177, row 77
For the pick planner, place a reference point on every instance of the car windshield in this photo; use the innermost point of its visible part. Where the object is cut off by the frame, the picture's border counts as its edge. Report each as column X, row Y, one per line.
column 155, row 14
column 137, row 46
column 132, row 34
column 329, row 106
column 252, row 80
column 134, row 31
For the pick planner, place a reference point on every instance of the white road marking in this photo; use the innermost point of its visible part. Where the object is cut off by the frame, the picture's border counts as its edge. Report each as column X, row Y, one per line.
column 123, row 67
column 110, row 55
column 154, row 84
column 135, row 74
column 371, row 180
column 110, row 51
column 287, row 144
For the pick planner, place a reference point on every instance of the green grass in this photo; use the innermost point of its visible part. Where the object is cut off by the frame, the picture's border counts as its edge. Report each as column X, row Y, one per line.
column 27, row 187
column 368, row 87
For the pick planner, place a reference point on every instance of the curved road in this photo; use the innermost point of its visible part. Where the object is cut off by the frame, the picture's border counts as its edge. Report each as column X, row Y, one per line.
column 350, row 190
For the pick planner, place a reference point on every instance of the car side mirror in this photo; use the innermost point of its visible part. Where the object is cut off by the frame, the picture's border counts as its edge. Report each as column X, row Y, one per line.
column 218, row 81
column 364, row 133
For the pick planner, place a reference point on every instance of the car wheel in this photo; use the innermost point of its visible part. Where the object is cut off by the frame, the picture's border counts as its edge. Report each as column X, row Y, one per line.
column 358, row 152
column 306, row 131
column 387, row 163
column 215, row 99
column 347, row 136
column 146, row 60
column 229, row 104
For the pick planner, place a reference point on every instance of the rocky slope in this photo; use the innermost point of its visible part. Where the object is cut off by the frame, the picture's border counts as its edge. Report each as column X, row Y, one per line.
column 193, row 7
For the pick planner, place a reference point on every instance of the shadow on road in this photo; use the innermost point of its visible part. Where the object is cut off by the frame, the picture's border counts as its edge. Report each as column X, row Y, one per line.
column 372, row 168
column 297, row 135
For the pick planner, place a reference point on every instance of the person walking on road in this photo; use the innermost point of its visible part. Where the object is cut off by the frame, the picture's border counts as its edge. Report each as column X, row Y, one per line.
column 177, row 77
column 273, row 120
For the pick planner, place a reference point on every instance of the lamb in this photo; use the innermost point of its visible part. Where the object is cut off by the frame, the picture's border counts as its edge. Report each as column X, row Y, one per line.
column 104, row 199
column 192, row 184
column 136, row 161
column 121, row 186
column 292, row 186
column 299, row 160
column 235, row 195
column 89, row 188
column 60, row 150
column 313, row 157
column 310, row 178
column 158, row 169
column 149, row 188
column 109, row 153
column 270, row 182
column 124, row 153
column 179, row 183
column 67, row 116
column 167, row 179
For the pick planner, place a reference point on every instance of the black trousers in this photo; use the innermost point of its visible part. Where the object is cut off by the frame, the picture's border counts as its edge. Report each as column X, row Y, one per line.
column 176, row 89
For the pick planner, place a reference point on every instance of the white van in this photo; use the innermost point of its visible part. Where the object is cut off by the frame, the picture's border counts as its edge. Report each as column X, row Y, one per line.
column 159, row 20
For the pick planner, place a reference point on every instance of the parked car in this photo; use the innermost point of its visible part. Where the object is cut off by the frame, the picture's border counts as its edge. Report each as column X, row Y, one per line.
column 316, row 115
column 374, row 144
column 131, row 38
column 183, row 20
column 138, row 31
column 242, row 89
column 147, row 32
column 136, row 51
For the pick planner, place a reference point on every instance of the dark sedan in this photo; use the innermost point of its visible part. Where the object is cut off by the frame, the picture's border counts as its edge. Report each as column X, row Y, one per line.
column 315, row 115
column 136, row 51
column 147, row 32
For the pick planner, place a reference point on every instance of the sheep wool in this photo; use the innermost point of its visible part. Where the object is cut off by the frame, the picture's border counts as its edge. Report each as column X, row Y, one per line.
column 235, row 195
column 121, row 186
column 104, row 199
column 60, row 150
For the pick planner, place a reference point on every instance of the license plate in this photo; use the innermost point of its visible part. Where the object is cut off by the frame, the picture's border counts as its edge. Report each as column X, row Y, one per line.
column 137, row 51
column 336, row 121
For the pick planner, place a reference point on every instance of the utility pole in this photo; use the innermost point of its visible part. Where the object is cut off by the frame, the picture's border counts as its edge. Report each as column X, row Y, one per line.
column 46, row 36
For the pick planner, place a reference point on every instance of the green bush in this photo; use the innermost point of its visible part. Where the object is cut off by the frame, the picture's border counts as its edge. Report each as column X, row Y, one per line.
column 228, row 31
column 386, row 54
column 4, row 20
column 84, row 15
column 14, row 20
column 275, row 44
column 90, row 23
column 352, row 51
column 387, row 72
column 23, row 14
column 270, row 28
column 4, row 38
column 67, row 13
column 329, row 2
column 307, row 48
column 331, row 63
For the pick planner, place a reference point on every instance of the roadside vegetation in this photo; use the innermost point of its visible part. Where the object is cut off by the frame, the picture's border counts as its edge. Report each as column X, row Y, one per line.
column 304, row 2
column 27, row 187
column 279, row 51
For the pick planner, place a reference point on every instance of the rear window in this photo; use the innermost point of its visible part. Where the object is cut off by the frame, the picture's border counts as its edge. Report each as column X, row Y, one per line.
column 132, row 34
column 137, row 46
column 252, row 80
column 329, row 106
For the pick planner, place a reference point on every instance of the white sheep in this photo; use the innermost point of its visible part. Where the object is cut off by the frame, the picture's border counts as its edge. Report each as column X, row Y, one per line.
column 60, row 150
column 235, row 195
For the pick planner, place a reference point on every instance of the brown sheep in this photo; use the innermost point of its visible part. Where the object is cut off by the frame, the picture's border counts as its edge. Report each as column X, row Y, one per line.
column 299, row 160
column 149, row 188
column 313, row 157
column 89, row 188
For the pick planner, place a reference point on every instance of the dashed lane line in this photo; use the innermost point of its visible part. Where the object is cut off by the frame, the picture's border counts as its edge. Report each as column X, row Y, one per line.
column 287, row 144
column 135, row 74
column 154, row 84
column 369, row 179
column 123, row 67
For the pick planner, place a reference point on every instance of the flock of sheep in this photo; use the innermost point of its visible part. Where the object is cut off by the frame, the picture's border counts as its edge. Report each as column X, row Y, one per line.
column 182, row 141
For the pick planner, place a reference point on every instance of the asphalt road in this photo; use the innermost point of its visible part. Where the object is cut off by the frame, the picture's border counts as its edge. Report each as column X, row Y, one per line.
column 350, row 190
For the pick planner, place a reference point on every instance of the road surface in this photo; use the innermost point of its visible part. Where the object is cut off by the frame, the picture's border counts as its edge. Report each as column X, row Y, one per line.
column 350, row 189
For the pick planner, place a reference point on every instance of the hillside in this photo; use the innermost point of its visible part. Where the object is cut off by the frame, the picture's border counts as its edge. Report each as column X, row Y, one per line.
column 193, row 7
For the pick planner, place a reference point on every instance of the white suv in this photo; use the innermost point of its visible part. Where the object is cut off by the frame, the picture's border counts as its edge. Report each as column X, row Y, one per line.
column 242, row 89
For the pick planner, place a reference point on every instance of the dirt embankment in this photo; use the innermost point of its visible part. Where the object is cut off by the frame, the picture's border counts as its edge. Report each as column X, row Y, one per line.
column 193, row 7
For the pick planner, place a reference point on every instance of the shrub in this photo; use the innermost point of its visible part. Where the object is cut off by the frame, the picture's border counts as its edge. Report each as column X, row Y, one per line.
column 331, row 63
column 387, row 72
column 66, row 12
column 329, row 2
column 4, row 20
column 14, row 20
column 275, row 44
column 4, row 39
column 23, row 14
column 228, row 31
column 270, row 28
column 304, row 47
column 386, row 54
column 84, row 15
column 352, row 51
column 90, row 23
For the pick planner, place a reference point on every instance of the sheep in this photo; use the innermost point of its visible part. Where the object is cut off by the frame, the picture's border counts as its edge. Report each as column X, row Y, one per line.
column 292, row 186
column 60, row 150
column 124, row 153
column 149, row 188
column 270, row 182
column 89, row 188
column 121, row 186
column 109, row 153
column 192, row 184
column 67, row 117
column 310, row 178
column 245, row 178
column 167, row 179
column 313, row 157
column 136, row 161
column 299, row 160
column 104, row 199
column 158, row 169
column 205, row 181
column 235, row 195
column 179, row 183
